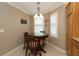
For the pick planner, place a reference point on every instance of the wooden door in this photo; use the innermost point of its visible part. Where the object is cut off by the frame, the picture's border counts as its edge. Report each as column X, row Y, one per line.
column 69, row 33
column 72, row 13
column 76, row 20
column 75, row 48
column 69, row 17
column 75, row 51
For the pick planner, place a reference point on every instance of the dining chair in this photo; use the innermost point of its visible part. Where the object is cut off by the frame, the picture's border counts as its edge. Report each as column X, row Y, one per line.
column 33, row 45
column 43, row 41
column 25, row 35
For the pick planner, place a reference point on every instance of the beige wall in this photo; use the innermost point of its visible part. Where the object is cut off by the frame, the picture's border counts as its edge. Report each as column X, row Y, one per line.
column 32, row 24
column 13, row 29
column 61, row 40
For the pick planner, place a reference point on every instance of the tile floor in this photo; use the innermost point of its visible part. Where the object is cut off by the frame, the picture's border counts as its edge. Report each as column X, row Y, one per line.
column 51, row 51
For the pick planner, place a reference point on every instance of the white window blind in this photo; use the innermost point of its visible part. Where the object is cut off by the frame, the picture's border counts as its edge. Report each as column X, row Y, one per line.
column 54, row 25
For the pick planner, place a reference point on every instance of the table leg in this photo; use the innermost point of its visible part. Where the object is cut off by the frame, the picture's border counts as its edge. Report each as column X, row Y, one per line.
column 42, row 49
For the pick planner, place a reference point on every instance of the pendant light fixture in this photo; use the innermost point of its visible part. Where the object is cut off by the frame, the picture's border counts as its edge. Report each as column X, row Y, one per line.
column 38, row 15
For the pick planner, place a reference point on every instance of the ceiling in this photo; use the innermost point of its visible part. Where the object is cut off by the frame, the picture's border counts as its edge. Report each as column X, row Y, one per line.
column 31, row 7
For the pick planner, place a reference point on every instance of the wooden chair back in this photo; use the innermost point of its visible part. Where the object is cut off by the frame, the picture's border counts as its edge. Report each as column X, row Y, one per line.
column 32, row 43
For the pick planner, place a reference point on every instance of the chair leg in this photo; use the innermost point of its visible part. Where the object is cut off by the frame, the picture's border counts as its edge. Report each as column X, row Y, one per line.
column 40, row 53
column 35, row 52
column 39, row 49
column 26, row 52
column 44, row 44
column 24, row 45
column 31, row 52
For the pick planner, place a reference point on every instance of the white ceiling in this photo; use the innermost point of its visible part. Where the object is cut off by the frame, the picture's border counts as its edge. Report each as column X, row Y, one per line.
column 31, row 7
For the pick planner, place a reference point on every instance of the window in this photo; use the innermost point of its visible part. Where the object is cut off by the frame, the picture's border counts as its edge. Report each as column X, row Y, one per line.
column 38, row 25
column 54, row 25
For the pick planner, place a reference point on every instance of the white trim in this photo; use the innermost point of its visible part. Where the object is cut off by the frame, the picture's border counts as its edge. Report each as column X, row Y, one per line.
column 18, row 8
column 64, row 51
column 8, row 53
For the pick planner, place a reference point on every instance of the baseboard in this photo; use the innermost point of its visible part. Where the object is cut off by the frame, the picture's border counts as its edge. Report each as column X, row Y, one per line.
column 8, row 53
column 21, row 46
column 57, row 47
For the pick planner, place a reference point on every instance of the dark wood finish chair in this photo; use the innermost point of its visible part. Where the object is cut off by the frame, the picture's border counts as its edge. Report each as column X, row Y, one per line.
column 43, row 41
column 25, row 38
column 33, row 44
